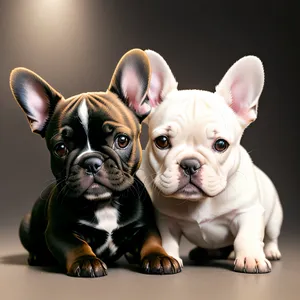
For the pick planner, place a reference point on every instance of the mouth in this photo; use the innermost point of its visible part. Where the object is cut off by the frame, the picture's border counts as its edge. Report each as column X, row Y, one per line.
column 189, row 189
column 97, row 192
column 190, row 192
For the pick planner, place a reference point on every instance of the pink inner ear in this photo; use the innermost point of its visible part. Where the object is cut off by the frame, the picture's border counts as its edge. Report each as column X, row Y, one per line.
column 154, row 93
column 239, row 99
column 131, row 87
column 241, row 93
column 37, row 104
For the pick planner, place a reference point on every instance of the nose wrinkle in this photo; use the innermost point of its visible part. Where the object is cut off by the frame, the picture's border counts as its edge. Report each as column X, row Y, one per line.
column 112, row 155
column 191, row 153
column 70, row 162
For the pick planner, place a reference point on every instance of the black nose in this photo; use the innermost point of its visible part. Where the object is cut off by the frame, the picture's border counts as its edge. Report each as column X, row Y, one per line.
column 92, row 164
column 190, row 166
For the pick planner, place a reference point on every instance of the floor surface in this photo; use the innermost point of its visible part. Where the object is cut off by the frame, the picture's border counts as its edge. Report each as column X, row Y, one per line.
column 18, row 281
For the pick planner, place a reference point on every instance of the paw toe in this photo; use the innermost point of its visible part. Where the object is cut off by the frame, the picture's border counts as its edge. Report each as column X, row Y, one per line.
column 273, row 254
column 160, row 264
column 252, row 265
column 88, row 267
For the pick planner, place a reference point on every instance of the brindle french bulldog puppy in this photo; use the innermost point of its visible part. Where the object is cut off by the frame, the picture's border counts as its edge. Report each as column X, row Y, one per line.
column 97, row 210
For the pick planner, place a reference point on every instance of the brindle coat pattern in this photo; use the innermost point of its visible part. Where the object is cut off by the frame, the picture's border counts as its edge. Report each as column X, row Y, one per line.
column 56, row 230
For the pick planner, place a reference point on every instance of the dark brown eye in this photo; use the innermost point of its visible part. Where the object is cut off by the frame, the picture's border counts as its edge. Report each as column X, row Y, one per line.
column 221, row 145
column 162, row 142
column 122, row 141
column 61, row 150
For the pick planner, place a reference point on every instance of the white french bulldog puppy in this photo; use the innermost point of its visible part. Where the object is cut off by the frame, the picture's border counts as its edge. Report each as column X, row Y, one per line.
column 202, row 182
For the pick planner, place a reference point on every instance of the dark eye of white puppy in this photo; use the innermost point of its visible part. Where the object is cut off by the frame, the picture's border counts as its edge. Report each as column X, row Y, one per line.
column 60, row 150
column 220, row 145
column 162, row 142
column 122, row 141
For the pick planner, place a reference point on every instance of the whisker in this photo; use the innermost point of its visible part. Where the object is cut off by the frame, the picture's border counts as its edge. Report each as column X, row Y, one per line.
column 58, row 182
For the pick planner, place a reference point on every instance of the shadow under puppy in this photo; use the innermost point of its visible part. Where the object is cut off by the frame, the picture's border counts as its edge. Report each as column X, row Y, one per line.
column 202, row 182
column 97, row 210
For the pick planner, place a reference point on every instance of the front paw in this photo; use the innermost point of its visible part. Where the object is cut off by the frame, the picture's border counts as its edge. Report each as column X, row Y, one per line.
column 88, row 266
column 272, row 252
column 252, row 264
column 160, row 264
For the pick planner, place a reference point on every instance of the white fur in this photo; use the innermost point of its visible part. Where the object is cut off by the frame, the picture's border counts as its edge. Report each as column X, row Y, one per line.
column 108, row 221
column 234, row 203
column 83, row 115
column 84, row 119
column 97, row 196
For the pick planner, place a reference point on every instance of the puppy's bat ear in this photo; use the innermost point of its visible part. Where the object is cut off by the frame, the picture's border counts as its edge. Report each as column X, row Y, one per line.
column 35, row 96
column 242, row 86
column 131, row 81
column 162, row 79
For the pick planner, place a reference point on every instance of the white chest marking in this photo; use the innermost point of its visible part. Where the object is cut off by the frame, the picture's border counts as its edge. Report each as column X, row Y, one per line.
column 107, row 220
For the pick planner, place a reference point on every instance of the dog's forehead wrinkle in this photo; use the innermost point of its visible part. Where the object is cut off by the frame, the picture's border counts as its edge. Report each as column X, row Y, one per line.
column 191, row 105
column 212, row 131
column 179, row 121
column 64, row 111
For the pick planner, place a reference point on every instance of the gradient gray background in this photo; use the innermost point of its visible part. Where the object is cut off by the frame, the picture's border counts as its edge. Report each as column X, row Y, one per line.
column 75, row 46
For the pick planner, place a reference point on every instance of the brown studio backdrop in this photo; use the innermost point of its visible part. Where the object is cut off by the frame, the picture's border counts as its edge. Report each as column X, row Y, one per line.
column 75, row 45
